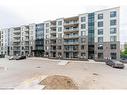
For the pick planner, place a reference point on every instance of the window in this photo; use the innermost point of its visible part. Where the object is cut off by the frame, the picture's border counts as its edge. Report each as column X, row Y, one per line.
column 59, row 47
column 47, row 30
column 59, row 41
column 46, row 36
column 100, row 39
column 113, row 46
column 59, row 22
column 82, row 40
column 83, row 26
column 113, row 55
column 113, row 14
column 100, row 55
column 112, row 22
column 47, row 24
column 59, row 29
column 82, row 47
column 112, row 30
column 100, row 24
column 100, row 31
column 46, row 42
column 83, row 54
column 60, row 35
column 100, row 46
column 100, row 16
column 82, row 33
column 113, row 38
column 83, row 19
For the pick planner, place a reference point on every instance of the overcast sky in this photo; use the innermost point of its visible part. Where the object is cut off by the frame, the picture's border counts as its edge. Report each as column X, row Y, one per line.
column 20, row 12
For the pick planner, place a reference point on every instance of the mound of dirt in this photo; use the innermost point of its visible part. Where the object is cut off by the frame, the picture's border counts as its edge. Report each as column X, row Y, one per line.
column 58, row 82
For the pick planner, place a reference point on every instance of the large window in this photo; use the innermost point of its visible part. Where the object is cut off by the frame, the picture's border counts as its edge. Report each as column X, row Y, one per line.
column 83, row 26
column 59, row 35
column 100, row 16
column 82, row 47
column 59, row 29
column 100, row 31
column 83, row 19
column 82, row 33
column 59, row 22
column 100, row 39
column 113, row 46
column 47, row 24
column 100, row 24
column 113, row 38
column 112, row 22
column 83, row 40
column 113, row 14
column 47, row 30
column 112, row 30
column 113, row 55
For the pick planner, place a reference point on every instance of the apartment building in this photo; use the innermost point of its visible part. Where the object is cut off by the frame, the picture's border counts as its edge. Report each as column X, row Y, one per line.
column 39, row 40
column 22, row 40
column 86, row 36
column 4, row 41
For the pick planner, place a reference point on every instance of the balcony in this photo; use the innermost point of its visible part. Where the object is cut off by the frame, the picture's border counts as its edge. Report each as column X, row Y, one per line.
column 53, row 43
column 16, row 44
column 71, row 30
column 70, row 49
column 52, row 31
column 26, row 34
column 70, row 36
column 71, row 43
column 52, row 25
column 53, row 37
column 71, row 23
column 16, row 40
column 16, row 31
column 16, row 36
column 16, row 49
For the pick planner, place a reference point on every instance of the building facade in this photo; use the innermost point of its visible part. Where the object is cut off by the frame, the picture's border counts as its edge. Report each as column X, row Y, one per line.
column 39, row 40
column 86, row 36
column 4, row 42
column 22, row 40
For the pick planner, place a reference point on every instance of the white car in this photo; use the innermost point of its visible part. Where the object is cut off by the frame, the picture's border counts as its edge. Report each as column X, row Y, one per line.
column 12, row 58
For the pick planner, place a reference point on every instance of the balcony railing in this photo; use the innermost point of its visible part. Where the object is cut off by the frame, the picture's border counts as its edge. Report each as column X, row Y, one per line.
column 15, row 40
column 70, row 49
column 16, row 36
column 71, row 36
column 52, row 31
column 15, row 31
column 52, row 25
column 72, row 29
column 71, row 43
column 53, row 37
column 71, row 22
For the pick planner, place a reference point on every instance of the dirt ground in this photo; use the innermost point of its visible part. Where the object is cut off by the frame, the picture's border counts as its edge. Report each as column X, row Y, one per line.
column 81, row 74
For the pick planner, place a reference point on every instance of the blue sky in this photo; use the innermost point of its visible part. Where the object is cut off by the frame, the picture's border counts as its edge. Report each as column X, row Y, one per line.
column 20, row 12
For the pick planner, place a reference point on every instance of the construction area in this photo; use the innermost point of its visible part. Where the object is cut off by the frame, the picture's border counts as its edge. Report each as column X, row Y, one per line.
column 43, row 73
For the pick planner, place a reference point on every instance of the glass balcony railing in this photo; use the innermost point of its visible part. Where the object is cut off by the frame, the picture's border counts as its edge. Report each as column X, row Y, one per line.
column 72, row 29
column 71, row 22
column 71, row 36
column 71, row 42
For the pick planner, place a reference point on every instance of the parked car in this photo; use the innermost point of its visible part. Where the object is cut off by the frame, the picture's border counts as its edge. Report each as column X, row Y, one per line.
column 123, row 60
column 115, row 64
column 12, row 57
column 20, row 57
